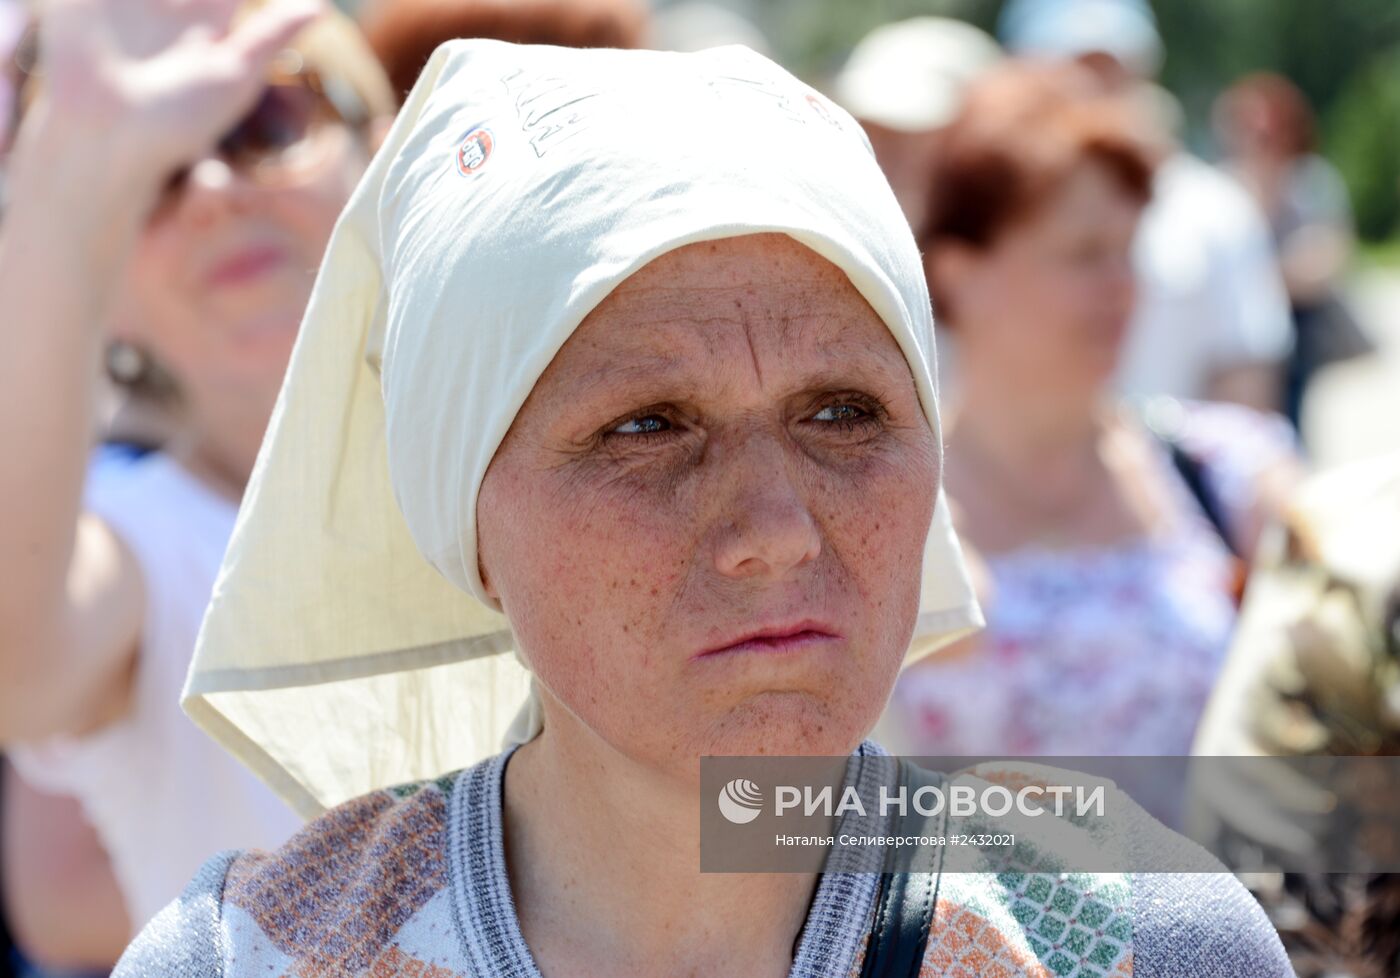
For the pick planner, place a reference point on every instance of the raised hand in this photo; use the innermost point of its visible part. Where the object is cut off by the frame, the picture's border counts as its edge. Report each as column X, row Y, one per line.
column 157, row 81
column 129, row 91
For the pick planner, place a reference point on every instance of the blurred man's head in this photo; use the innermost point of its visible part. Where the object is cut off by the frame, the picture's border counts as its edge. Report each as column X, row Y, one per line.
column 1115, row 39
column 904, row 82
column 1108, row 35
column 1264, row 115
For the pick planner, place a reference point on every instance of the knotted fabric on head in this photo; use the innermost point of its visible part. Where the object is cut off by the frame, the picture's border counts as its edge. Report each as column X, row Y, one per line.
column 349, row 644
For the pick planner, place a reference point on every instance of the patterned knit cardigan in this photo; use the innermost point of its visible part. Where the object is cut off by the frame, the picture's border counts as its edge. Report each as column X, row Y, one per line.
column 412, row 882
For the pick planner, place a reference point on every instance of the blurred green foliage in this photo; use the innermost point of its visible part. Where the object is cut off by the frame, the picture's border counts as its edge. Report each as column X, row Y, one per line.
column 1363, row 139
column 1344, row 54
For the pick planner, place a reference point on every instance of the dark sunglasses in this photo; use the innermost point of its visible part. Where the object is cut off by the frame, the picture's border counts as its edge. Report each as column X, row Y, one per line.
column 289, row 113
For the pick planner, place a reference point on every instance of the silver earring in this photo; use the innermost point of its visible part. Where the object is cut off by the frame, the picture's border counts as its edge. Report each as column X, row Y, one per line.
column 125, row 362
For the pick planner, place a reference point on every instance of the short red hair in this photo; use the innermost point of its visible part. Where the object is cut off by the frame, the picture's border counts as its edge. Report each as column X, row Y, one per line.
column 1023, row 129
column 405, row 32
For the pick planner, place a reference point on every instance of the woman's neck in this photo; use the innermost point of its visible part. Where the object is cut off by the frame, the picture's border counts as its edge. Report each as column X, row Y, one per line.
column 1037, row 435
column 214, row 469
column 604, row 860
column 1049, row 472
column 220, row 455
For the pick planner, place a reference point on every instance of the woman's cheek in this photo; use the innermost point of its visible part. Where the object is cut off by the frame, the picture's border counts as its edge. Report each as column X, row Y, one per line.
column 610, row 565
column 595, row 625
column 888, row 531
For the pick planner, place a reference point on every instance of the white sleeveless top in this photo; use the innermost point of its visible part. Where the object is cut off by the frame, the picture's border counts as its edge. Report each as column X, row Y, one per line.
column 162, row 795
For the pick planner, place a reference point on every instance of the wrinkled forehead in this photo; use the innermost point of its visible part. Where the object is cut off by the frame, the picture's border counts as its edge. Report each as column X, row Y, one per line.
column 751, row 277
column 762, row 302
column 758, row 280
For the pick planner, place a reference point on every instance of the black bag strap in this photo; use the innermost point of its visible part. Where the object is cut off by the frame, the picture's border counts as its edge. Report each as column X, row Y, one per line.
column 1165, row 426
column 905, row 902
column 1193, row 472
column 903, row 913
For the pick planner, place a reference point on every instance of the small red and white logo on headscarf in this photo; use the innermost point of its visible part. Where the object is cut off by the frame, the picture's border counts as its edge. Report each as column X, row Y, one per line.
column 474, row 150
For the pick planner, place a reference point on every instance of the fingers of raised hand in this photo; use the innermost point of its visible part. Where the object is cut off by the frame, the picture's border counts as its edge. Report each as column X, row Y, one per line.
column 176, row 72
column 257, row 39
column 142, row 29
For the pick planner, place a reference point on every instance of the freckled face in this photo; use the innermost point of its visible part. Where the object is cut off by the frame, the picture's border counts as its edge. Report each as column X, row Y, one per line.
column 706, row 524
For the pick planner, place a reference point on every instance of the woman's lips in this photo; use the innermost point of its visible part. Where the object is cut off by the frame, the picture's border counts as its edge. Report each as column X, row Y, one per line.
column 774, row 641
column 246, row 265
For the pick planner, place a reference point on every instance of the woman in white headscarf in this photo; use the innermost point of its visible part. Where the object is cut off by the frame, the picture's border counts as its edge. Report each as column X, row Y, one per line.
column 620, row 367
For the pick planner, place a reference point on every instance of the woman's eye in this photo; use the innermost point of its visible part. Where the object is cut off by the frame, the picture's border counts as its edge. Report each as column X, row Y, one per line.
column 843, row 414
column 646, row 424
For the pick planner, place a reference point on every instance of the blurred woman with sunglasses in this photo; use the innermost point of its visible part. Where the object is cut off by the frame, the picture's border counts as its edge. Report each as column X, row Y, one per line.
column 174, row 182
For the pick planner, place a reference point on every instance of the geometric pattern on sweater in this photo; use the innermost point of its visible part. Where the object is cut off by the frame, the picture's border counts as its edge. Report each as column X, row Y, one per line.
column 1029, row 925
column 1075, row 925
column 412, row 883
column 336, row 894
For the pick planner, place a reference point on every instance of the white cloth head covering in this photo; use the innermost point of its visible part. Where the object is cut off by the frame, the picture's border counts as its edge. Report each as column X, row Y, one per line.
column 518, row 187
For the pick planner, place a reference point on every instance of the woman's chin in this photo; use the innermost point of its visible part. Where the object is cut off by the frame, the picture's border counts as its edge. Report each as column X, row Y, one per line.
column 272, row 330
column 787, row 724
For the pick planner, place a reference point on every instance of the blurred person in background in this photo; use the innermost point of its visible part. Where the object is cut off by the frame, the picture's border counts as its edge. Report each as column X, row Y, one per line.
column 1266, row 128
column 903, row 82
column 404, row 33
column 1314, row 671
column 1212, row 317
column 1110, row 550
column 182, row 258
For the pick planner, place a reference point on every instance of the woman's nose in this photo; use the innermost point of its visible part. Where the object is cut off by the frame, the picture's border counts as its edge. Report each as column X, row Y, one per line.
column 766, row 528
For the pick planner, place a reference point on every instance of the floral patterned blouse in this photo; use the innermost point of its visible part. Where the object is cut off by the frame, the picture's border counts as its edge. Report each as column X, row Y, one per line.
column 1104, row 650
